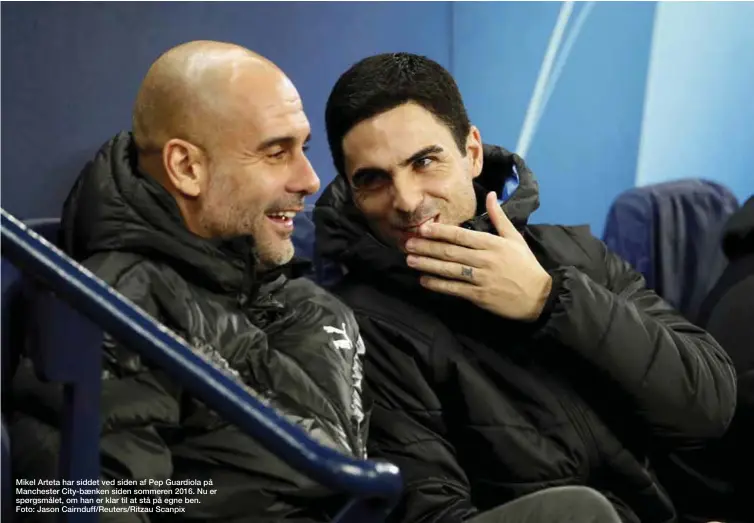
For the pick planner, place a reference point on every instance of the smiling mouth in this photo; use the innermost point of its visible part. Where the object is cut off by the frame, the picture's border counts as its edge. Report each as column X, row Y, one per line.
column 414, row 229
column 282, row 219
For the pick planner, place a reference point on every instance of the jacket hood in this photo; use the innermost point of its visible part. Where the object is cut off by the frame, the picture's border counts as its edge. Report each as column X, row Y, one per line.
column 114, row 207
column 344, row 237
column 738, row 238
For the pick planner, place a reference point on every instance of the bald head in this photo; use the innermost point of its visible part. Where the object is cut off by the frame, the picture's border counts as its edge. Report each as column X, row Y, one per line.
column 223, row 130
column 193, row 90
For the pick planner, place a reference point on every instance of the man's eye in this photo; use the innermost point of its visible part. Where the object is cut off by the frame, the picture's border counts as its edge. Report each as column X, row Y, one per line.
column 369, row 181
column 279, row 155
column 306, row 148
column 423, row 163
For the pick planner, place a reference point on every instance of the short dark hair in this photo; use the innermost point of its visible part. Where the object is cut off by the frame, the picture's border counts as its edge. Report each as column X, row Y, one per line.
column 383, row 82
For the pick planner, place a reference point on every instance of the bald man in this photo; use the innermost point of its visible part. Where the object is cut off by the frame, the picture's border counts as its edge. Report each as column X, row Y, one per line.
column 223, row 130
column 190, row 216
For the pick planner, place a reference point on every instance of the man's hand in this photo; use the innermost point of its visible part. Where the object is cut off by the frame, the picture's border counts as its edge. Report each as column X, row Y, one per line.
column 497, row 273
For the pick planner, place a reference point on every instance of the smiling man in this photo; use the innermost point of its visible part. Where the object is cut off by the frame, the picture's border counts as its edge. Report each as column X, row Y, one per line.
column 503, row 357
column 190, row 217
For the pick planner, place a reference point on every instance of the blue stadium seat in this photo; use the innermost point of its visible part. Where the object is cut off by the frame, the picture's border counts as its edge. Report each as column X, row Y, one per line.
column 12, row 316
column 14, row 302
column 47, row 321
column 12, row 305
column 670, row 232
column 82, row 307
column 47, row 228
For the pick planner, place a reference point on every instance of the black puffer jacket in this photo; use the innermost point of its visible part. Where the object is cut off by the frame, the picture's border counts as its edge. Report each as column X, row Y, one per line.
column 478, row 410
column 716, row 482
column 293, row 343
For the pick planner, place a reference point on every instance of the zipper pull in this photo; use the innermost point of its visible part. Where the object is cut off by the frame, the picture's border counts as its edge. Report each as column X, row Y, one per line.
column 242, row 299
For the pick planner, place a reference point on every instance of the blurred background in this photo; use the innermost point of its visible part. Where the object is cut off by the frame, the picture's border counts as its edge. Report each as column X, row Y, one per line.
column 598, row 97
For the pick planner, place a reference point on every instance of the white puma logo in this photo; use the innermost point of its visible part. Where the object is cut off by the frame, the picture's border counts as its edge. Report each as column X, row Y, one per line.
column 345, row 342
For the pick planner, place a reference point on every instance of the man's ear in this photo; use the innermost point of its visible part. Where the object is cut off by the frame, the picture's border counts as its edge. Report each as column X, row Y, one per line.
column 475, row 151
column 186, row 167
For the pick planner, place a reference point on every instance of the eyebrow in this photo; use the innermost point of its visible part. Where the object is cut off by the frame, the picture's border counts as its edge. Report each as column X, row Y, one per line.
column 363, row 172
column 283, row 141
column 431, row 149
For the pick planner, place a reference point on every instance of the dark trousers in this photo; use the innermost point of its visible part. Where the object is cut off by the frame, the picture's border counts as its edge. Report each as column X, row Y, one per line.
column 554, row 505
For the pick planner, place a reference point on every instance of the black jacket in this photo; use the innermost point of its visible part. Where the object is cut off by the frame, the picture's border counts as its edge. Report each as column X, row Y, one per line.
column 478, row 410
column 715, row 482
column 294, row 344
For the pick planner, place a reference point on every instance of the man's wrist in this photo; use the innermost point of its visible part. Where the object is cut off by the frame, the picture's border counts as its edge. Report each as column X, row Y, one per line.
column 541, row 299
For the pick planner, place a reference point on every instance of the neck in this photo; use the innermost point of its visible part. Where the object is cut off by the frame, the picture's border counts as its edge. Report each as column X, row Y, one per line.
column 189, row 216
column 151, row 165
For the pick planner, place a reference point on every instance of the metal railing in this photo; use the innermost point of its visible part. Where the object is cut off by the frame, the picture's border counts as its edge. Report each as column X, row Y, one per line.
column 373, row 487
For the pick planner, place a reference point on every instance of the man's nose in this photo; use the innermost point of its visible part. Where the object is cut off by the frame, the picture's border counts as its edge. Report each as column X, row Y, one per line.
column 407, row 193
column 304, row 179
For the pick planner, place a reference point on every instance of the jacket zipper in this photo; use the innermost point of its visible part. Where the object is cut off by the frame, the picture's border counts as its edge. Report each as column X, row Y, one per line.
column 247, row 282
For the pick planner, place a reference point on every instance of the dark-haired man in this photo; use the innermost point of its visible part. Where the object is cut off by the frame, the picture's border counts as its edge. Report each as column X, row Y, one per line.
column 504, row 357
